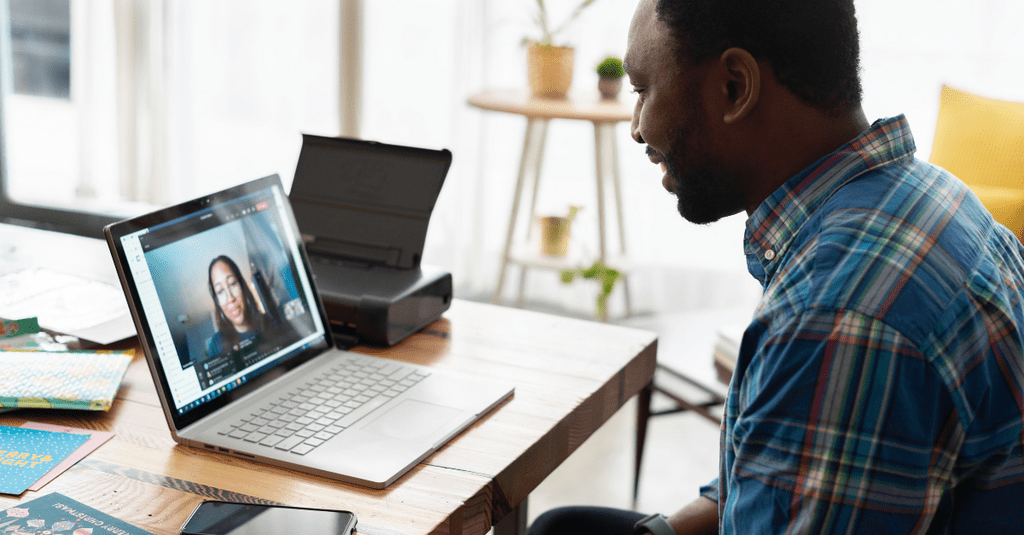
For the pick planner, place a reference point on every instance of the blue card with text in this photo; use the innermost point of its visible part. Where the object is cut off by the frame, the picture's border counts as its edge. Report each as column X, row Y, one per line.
column 28, row 454
column 60, row 515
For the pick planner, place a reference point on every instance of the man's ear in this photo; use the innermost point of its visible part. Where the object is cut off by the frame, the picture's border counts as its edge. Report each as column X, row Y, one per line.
column 741, row 84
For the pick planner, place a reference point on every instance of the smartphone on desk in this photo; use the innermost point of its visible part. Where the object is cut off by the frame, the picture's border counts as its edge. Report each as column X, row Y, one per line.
column 230, row 518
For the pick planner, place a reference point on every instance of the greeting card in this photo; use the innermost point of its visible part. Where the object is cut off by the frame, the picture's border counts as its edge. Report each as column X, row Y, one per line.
column 28, row 454
column 60, row 515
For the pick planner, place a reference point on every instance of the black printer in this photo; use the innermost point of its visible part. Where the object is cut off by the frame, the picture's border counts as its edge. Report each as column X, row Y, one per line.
column 363, row 208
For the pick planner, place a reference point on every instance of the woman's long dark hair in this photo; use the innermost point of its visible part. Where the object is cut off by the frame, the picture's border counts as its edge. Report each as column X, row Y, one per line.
column 253, row 316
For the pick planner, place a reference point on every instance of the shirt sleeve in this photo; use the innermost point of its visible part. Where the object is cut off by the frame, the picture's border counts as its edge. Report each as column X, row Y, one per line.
column 839, row 426
column 710, row 491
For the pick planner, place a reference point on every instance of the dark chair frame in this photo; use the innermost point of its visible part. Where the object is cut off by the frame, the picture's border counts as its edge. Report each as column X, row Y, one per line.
column 644, row 413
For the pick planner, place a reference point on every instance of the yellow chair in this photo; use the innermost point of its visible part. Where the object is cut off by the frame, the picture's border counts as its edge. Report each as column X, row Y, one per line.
column 981, row 141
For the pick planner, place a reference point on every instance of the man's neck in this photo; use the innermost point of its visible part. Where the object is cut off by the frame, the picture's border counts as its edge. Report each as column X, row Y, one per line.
column 797, row 138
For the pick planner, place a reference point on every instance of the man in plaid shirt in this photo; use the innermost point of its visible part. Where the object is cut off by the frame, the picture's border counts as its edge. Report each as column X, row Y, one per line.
column 878, row 388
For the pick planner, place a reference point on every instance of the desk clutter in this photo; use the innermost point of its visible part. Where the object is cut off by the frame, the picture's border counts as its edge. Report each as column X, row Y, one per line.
column 35, row 453
column 36, row 372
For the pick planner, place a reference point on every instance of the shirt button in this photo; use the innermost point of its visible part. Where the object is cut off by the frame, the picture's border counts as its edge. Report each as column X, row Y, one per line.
column 769, row 255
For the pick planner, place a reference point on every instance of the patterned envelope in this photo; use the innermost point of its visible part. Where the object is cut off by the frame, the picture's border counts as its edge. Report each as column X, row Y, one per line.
column 86, row 380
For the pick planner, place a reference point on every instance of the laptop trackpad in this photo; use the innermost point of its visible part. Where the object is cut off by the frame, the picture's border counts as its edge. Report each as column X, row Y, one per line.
column 411, row 420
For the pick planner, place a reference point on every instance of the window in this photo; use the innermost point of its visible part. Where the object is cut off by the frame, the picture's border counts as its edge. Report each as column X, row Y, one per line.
column 37, row 114
column 109, row 109
column 41, row 47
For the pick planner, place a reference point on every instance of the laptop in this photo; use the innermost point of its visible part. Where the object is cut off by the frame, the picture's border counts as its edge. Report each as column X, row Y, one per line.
column 240, row 347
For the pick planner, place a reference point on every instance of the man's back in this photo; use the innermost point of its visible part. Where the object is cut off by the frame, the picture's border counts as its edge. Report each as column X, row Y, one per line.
column 879, row 385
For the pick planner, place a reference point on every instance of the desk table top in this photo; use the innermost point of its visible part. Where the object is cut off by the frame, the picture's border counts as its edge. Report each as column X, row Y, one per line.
column 570, row 375
column 581, row 106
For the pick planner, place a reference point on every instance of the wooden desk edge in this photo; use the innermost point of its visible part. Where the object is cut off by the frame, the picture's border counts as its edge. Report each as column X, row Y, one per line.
column 509, row 489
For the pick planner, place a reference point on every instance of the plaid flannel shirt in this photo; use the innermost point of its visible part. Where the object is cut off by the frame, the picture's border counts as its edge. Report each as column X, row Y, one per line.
column 879, row 387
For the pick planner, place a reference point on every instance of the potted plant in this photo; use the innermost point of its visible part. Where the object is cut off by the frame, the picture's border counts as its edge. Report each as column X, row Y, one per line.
column 598, row 271
column 549, row 66
column 554, row 233
column 609, row 77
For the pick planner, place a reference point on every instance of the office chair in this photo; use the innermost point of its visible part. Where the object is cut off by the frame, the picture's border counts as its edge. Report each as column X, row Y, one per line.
column 981, row 141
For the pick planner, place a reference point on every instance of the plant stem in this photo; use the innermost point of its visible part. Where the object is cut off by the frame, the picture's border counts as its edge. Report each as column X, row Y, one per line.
column 575, row 14
column 542, row 19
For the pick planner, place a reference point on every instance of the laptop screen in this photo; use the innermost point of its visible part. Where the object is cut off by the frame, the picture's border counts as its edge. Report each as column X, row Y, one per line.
column 222, row 291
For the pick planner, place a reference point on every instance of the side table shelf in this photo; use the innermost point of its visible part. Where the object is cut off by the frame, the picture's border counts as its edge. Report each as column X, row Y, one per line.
column 526, row 255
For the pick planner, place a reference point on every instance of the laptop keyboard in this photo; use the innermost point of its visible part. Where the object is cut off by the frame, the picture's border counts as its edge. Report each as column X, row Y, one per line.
column 317, row 411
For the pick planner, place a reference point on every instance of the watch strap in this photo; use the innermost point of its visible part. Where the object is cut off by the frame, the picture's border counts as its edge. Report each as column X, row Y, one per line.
column 655, row 523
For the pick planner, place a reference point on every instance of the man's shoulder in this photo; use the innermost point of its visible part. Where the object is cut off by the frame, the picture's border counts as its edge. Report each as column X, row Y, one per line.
column 898, row 243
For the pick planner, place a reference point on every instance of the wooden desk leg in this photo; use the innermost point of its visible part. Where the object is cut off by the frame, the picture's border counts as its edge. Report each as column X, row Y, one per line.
column 643, row 414
column 524, row 165
column 514, row 523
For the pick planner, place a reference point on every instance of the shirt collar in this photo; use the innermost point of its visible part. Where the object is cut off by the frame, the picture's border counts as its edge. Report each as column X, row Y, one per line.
column 772, row 227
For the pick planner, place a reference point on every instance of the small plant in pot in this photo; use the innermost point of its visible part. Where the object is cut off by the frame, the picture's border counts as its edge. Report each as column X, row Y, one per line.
column 609, row 81
column 549, row 66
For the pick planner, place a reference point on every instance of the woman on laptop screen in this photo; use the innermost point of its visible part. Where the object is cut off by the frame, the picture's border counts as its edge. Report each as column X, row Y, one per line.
column 239, row 319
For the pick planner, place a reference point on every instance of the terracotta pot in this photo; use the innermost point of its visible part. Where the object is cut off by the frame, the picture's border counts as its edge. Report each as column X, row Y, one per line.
column 549, row 70
column 609, row 87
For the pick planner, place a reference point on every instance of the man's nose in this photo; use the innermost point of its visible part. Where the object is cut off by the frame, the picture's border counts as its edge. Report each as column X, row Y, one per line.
column 634, row 127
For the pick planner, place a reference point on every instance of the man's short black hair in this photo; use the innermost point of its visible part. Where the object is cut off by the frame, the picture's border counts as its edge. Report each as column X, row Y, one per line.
column 812, row 45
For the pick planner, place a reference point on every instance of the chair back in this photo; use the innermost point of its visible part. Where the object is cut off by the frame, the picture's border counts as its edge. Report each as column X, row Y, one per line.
column 981, row 141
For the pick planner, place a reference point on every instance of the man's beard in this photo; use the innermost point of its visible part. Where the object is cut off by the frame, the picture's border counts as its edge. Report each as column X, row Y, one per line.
column 704, row 191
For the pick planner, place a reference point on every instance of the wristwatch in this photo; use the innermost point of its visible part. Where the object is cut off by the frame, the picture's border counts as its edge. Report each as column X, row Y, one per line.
column 655, row 524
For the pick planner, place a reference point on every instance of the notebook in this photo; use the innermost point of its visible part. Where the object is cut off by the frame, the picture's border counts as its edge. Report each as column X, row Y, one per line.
column 240, row 348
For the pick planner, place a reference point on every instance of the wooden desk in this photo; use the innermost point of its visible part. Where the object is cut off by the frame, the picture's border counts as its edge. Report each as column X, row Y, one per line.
column 605, row 115
column 570, row 376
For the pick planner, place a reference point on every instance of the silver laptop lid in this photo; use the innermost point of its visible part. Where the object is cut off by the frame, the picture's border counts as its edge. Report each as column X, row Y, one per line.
column 222, row 295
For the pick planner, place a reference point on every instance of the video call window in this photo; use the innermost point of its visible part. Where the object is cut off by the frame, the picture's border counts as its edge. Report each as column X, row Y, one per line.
column 229, row 294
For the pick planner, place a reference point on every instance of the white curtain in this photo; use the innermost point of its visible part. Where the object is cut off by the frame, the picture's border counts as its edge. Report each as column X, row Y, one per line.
column 211, row 94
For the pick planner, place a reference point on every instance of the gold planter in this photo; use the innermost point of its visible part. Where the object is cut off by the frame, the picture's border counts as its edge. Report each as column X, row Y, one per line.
column 549, row 70
column 554, row 232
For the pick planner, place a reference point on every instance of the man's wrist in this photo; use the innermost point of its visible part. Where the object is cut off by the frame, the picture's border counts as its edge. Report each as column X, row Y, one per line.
column 655, row 524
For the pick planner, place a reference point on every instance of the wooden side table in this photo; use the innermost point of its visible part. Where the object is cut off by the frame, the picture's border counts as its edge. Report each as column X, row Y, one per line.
column 605, row 115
